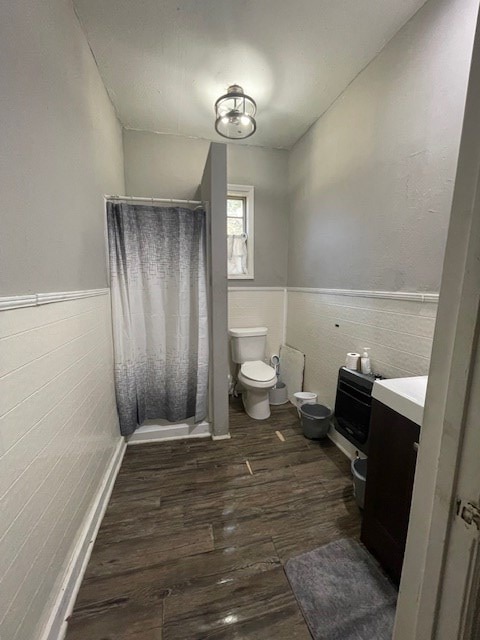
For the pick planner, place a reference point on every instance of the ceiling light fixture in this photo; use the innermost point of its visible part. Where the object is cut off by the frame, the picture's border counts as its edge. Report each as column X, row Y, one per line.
column 235, row 114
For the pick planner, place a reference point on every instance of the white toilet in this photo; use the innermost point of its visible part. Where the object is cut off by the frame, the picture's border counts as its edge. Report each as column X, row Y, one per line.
column 256, row 377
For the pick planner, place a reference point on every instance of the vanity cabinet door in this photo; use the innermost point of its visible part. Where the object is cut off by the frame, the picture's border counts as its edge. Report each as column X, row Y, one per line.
column 391, row 471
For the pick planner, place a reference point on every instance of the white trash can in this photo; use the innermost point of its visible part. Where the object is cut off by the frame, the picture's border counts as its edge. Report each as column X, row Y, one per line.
column 304, row 397
column 279, row 394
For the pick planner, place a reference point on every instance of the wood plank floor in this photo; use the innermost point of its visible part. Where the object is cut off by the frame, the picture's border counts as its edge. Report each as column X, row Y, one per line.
column 193, row 543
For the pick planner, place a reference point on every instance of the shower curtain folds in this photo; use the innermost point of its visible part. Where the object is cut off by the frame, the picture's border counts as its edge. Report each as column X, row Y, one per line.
column 159, row 312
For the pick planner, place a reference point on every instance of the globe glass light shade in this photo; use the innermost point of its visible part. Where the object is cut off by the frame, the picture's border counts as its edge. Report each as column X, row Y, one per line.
column 235, row 114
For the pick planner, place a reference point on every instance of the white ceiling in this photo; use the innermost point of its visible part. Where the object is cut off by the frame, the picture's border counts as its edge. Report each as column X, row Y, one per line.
column 164, row 62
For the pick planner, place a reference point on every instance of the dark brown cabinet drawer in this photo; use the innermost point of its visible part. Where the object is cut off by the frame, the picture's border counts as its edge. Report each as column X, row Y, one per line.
column 391, row 471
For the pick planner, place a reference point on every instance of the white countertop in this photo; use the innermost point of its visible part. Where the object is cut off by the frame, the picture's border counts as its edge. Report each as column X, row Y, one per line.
column 406, row 396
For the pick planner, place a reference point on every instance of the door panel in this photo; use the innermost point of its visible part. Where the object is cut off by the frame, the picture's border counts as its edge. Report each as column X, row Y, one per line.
column 461, row 588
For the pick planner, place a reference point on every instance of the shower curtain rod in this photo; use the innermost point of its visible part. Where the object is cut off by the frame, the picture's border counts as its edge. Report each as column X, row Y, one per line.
column 138, row 199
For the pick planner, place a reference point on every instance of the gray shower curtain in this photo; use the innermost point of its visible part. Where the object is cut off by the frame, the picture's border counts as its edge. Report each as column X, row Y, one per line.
column 159, row 312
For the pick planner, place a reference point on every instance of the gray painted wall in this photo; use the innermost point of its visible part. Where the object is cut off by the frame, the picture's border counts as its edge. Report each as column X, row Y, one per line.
column 371, row 182
column 214, row 191
column 61, row 151
column 171, row 167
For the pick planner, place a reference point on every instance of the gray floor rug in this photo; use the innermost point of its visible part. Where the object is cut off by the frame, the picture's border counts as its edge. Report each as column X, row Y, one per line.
column 343, row 593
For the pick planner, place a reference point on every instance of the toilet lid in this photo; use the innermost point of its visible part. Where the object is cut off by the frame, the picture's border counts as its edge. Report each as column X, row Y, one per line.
column 257, row 370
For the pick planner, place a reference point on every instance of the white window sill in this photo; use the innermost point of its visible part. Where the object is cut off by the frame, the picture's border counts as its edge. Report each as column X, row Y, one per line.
column 242, row 277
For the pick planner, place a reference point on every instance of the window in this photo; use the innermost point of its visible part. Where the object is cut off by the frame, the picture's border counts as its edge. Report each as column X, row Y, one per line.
column 240, row 232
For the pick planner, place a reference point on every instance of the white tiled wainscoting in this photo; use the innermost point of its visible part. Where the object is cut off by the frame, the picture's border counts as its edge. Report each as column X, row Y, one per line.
column 325, row 326
column 259, row 307
column 58, row 438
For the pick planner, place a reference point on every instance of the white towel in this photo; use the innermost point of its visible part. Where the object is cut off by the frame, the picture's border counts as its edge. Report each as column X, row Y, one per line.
column 237, row 254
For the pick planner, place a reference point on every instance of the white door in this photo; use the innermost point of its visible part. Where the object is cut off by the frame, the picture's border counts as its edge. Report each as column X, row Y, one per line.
column 459, row 597
column 458, row 605
column 440, row 587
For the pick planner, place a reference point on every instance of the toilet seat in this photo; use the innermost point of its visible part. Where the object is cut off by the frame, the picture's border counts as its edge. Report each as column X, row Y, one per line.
column 258, row 371
column 256, row 379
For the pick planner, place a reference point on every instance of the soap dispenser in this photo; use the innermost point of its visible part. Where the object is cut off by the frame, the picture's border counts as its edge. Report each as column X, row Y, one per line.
column 365, row 365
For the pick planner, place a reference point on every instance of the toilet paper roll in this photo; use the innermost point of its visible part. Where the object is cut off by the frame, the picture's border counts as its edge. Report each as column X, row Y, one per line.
column 352, row 361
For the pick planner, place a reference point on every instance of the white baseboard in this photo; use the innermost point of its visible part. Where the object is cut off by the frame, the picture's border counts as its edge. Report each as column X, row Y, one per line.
column 226, row 436
column 253, row 289
column 56, row 626
column 343, row 444
column 164, row 433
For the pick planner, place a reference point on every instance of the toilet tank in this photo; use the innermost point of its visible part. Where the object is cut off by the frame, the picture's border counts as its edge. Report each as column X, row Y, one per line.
column 248, row 343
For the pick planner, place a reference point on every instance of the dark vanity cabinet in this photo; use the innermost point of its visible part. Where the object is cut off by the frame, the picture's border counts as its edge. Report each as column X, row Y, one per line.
column 393, row 445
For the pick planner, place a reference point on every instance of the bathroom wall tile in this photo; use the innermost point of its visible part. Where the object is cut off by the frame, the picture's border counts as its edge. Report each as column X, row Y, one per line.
column 416, row 324
column 15, row 321
column 409, row 307
column 259, row 307
column 37, row 374
column 325, row 327
column 67, row 452
column 22, row 348
column 54, row 533
column 58, row 431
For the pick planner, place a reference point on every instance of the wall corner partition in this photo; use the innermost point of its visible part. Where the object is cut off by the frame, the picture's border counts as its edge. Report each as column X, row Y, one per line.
column 214, row 193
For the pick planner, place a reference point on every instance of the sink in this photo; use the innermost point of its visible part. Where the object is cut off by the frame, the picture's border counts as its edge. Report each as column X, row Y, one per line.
column 406, row 396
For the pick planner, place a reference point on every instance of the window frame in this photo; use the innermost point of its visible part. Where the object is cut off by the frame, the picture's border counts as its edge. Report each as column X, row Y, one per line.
column 245, row 192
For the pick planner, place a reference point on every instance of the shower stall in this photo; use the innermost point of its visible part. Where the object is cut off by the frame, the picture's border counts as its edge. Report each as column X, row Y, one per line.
column 168, row 279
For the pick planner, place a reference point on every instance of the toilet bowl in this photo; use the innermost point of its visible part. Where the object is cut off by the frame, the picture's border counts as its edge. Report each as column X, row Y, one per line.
column 257, row 378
